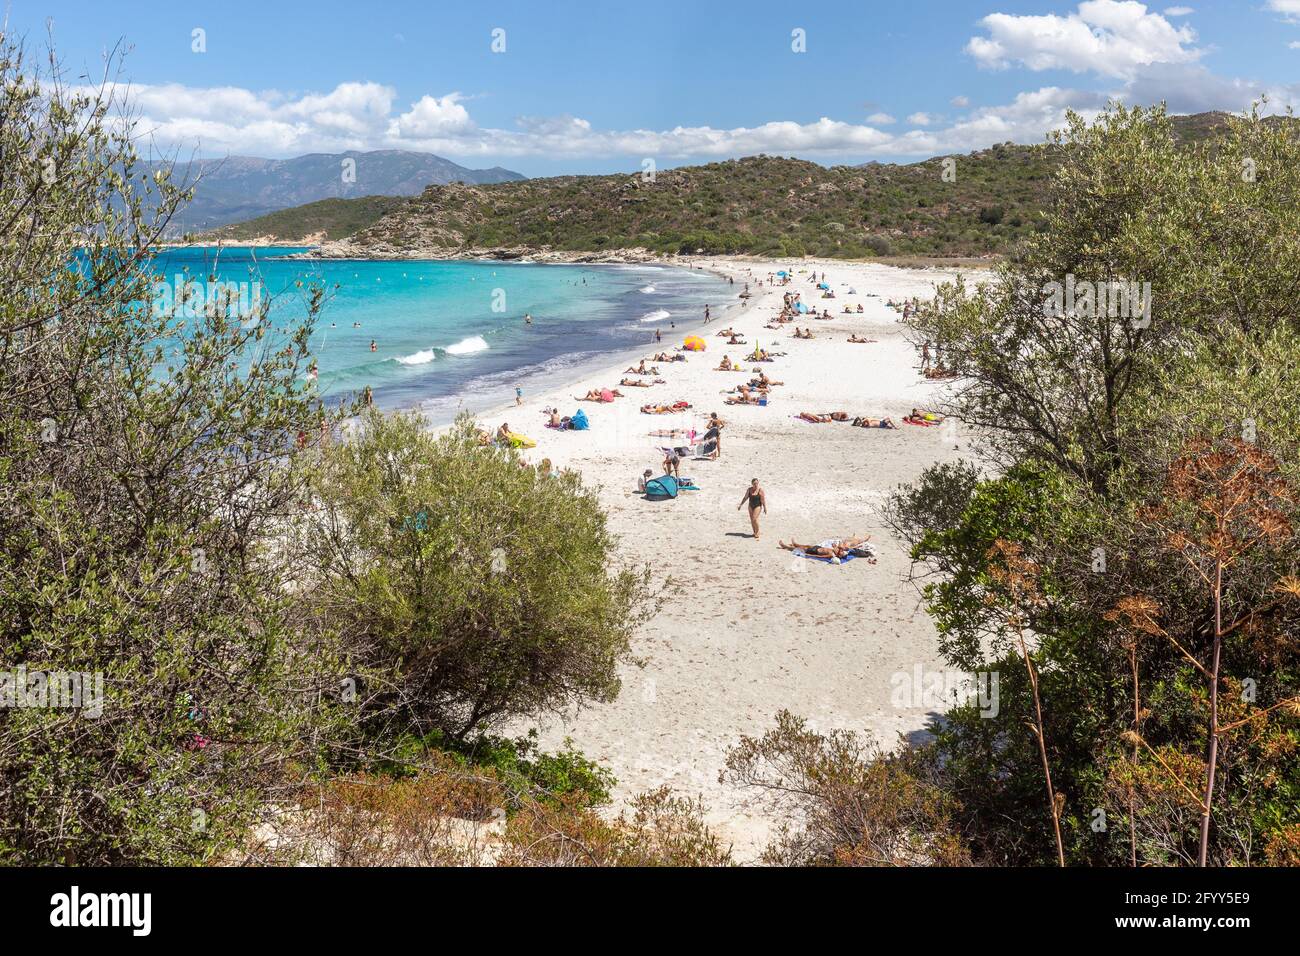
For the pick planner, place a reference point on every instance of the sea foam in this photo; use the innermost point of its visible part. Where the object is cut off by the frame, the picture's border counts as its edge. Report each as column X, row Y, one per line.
column 467, row 346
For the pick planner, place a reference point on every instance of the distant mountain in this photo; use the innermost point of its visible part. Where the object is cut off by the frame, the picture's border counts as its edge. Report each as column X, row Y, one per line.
column 241, row 187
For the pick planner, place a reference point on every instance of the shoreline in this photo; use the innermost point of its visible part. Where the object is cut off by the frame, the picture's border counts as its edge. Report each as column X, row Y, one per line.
column 749, row 629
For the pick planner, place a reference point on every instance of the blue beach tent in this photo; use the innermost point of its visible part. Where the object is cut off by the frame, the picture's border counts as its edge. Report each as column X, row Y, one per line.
column 579, row 421
column 661, row 488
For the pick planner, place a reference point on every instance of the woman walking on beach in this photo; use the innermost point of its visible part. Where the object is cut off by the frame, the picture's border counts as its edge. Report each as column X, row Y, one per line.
column 756, row 499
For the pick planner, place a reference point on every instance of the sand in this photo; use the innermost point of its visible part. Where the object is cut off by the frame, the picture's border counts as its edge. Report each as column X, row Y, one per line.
column 752, row 629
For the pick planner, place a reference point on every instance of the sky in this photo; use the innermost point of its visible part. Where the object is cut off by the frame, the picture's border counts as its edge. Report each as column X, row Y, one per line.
column 547, row 88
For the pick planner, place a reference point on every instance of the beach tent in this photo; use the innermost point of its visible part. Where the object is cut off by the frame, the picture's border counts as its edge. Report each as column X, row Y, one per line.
column 800, row 308
column 823, row 285
column 579, row 421
column 782, row 273
column 661, row 488
column 694, row 343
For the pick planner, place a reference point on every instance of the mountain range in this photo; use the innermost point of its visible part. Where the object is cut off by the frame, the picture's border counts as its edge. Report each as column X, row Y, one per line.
column 240, row 188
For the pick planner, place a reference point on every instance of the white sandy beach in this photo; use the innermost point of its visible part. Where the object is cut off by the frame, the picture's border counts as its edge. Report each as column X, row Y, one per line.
column 752, row 629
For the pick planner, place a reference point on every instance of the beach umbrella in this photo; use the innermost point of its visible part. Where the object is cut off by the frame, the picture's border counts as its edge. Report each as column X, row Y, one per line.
column 694, row 343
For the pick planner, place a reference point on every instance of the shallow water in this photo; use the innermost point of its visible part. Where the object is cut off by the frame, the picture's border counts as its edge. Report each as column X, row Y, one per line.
column 447, row 333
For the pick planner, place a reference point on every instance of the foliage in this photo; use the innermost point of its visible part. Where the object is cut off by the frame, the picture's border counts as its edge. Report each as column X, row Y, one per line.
column 468, row 587
column 1131, row 454
column 137, row 511
column 852, row 804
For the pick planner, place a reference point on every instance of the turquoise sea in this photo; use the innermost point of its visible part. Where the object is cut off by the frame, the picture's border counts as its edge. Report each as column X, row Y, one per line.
column 452, row 333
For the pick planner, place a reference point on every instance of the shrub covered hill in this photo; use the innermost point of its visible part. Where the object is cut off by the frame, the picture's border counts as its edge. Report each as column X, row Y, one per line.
column 760, row 205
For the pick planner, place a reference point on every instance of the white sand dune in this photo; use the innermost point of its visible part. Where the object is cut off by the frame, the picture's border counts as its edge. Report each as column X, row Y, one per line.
column 753, row 629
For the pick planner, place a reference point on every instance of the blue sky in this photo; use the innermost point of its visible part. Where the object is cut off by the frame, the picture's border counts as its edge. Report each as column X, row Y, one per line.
column 597, row 87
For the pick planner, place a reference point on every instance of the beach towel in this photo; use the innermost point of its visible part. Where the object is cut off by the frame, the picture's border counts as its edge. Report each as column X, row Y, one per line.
column 919, row 421
column 817, row 557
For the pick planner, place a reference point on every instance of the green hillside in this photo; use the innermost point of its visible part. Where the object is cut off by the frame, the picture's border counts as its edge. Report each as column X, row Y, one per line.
column 759, row 205
column 334, row 218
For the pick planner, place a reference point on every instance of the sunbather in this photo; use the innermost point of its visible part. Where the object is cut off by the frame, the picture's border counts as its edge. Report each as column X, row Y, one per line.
column 838, row 548
column 854, row 338
column 824, row 417
column 861, row 422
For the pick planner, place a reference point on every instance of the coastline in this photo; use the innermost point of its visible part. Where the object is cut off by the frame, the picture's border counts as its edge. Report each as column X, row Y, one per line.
column 748, row 628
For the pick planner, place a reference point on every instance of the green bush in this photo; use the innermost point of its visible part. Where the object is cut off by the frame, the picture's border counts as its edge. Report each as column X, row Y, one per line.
column 468, row 588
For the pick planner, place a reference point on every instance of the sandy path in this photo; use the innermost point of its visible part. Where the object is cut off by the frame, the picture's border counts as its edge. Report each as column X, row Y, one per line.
column 753, row 629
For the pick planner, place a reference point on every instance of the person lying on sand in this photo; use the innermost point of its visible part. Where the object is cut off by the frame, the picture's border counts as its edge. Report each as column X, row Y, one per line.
column 665, row 409
column 861, row 422
column 939, row 372
column 838, row 548
column 743, row 400
column 598, row 395
column 859, row 341
column 763, row 381
column 927, row 416
column 726, row 332
column 633, row 383
column 484, row 437
column 824, row 417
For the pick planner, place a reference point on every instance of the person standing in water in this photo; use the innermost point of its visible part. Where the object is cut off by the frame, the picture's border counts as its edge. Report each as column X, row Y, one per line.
column 756, row 499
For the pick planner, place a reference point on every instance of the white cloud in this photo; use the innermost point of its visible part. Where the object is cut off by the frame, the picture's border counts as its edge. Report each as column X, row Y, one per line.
column 961, row 102
column 1191, row 88
column 1289, row 7
column 432, row 116
column 1113, row 38
column 1178, row 11
column 1294, row 44
column 220, row 121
